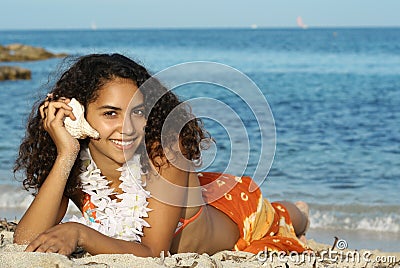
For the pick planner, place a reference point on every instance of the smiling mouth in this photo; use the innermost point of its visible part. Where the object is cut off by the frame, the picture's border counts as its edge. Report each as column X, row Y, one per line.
column 123, row 143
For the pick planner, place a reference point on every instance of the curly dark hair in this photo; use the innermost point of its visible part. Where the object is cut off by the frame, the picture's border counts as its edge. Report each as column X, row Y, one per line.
column 82, row 81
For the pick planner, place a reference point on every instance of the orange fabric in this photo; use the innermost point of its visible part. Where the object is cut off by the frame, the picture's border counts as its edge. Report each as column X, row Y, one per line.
column 262, row 225
column 184, row 222
column 88, row 209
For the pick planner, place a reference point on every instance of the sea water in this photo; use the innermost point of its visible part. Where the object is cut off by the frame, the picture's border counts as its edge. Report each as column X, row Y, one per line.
column 334, row 94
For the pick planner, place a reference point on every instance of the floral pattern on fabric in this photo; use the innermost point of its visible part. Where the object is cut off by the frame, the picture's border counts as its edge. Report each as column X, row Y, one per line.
column 262, row 225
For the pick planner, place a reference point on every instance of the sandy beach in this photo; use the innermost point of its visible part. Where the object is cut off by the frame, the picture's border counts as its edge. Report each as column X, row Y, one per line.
column 12, row 255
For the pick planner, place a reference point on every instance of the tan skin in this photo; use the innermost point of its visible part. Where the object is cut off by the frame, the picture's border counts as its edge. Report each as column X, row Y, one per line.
column 116, row 118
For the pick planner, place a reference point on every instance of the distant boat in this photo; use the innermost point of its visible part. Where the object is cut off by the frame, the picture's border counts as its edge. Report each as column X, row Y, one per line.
column 254, row 26
column 93, row 26
column 300, row 23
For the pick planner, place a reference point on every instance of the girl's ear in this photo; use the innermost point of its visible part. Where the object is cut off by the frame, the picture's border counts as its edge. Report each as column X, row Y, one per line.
column 79, row 128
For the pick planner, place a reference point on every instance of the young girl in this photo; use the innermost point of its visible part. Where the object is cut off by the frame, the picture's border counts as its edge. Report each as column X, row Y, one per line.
column 137, row 191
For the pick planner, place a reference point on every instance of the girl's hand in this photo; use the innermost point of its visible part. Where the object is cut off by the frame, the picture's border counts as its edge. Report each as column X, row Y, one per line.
column 53, row 114
column 62, row 238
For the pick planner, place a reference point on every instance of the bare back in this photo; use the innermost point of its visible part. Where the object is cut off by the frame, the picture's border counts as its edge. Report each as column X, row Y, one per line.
column 212, row 231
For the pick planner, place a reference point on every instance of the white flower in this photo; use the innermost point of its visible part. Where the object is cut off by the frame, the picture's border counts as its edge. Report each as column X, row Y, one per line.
column 124, row 219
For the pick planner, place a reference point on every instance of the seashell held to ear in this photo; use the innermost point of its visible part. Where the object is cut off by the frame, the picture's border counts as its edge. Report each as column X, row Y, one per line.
column 80, row 128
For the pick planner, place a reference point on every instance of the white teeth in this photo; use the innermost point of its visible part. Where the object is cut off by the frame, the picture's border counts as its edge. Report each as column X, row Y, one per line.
column 122, row 143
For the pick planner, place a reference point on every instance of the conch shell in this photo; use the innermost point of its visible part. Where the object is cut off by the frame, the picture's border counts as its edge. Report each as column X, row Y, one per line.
column 80, row 128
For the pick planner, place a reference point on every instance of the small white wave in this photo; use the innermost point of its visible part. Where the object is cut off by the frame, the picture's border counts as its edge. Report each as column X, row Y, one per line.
column 384, row 222
column 14, row 197
column 389, row 224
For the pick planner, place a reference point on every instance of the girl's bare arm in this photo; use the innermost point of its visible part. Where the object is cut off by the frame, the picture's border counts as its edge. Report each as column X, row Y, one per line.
column 163, row 219
column 49, row 205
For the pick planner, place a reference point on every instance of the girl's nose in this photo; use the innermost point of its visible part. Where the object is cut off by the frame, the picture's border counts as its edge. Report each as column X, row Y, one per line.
column 128, row 127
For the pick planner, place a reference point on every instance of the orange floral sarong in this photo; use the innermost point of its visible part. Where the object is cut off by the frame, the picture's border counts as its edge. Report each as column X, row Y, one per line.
column 262, row 225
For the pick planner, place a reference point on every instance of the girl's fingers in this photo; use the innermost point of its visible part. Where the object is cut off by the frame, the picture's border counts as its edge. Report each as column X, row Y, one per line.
column 46, row 247
column 62, row 103
column 52, row 249
column 71, row 115
column 50, row 111
column 55, row 105
column 61, row 114
column 33, row 246
column 42, row 109
column 41, row 248
column 41, row 244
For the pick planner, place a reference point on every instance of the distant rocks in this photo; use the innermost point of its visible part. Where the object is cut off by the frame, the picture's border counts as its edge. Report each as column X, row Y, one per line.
column 20, row 53
column 14, row 73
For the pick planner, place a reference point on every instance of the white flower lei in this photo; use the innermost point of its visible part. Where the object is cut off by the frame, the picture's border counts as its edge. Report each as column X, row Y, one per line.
column 124, row 219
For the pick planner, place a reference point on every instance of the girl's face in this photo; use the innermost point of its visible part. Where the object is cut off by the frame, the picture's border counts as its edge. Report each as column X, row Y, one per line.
column 118, row 115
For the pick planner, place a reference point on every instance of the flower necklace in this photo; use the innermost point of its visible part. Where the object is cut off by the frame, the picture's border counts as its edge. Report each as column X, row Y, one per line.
column 123, row 219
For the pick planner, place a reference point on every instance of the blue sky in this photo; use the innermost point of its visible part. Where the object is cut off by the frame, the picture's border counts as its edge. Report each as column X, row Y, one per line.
column 82, row 14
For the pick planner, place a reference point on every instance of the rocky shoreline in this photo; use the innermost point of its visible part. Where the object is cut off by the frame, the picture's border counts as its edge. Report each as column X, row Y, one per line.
column 22, row 53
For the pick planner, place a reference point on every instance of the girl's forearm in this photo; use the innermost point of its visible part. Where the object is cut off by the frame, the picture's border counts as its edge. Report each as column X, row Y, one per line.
column 95, row 242
column 48, row 205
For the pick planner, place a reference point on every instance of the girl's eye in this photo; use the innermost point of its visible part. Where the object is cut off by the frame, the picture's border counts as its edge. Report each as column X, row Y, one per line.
column 138, row 112
column 110, row 113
